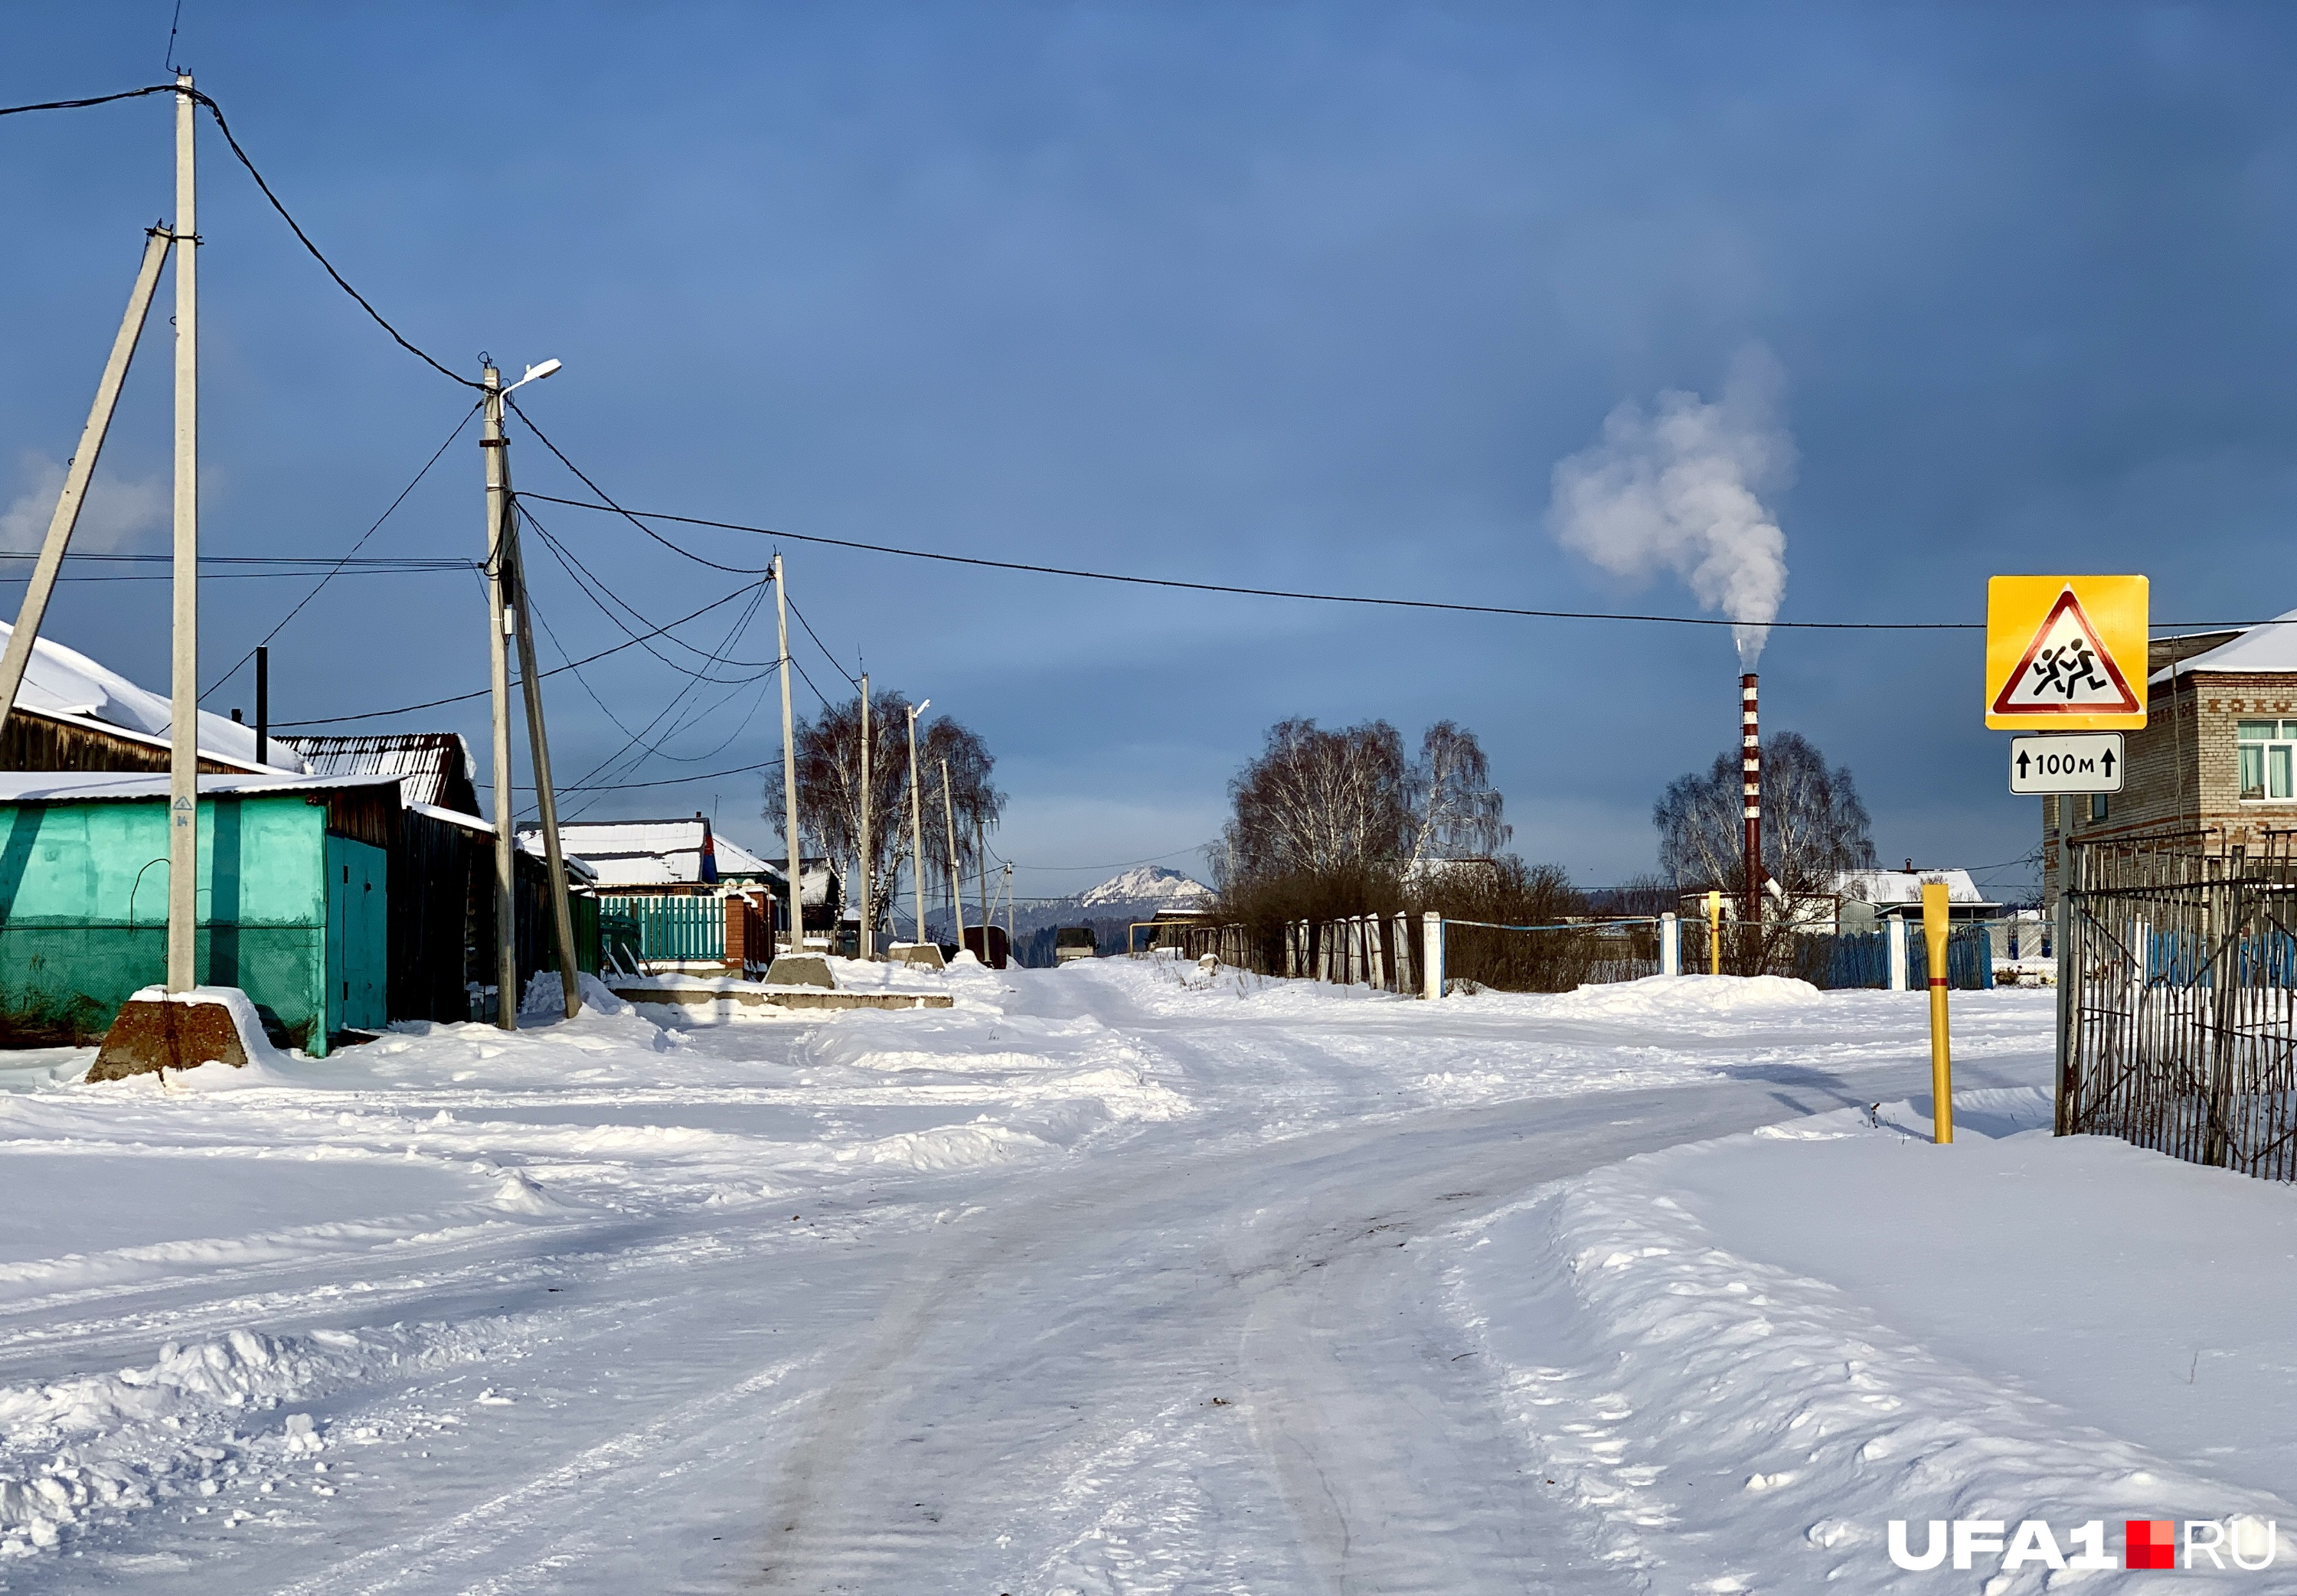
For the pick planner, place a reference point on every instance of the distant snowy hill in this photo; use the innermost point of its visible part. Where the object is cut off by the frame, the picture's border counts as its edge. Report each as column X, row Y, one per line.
column 1146, row 885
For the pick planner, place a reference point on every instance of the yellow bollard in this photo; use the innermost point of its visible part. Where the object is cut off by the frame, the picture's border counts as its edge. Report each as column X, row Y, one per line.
column 1715, row 934
column 1935, row 925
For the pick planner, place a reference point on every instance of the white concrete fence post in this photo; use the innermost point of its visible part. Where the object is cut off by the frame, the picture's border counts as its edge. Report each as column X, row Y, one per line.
column 1431, row 955
column 1670, row 945
column 1898, row 933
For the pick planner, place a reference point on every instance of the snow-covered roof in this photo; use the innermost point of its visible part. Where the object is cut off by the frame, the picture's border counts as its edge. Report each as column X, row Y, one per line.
column 625, row 855
column 734, row 859
column 2269, row 646
column 431, row 766
column 81, row 786
column 65, row 685
column 1905, row 887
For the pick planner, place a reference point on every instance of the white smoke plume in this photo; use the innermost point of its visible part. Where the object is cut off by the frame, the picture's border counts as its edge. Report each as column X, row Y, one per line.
column 1680, row 488
column 112, row 517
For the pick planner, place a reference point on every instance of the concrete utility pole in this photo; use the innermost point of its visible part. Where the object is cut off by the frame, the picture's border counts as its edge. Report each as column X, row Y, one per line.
column 981, row 867
column 917, row 820
column 184, row 714
column 789, row 770
column 530, row 677
column 35, row 607
column 499, row 622
column 868, row 941
column 956, row 874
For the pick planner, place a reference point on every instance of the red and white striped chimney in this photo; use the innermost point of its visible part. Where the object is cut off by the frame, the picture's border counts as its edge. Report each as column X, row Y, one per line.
column 1751, row 774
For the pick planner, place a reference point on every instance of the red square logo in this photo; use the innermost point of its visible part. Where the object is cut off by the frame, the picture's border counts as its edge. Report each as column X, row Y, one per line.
column 2149, row 1543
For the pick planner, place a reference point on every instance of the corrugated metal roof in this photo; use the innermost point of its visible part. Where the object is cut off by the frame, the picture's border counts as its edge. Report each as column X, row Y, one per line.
column 427, row 763
column 79, row 786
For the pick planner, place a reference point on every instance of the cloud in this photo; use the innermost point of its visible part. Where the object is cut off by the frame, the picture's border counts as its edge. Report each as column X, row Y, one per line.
column 1679, row 488
column 114, row 515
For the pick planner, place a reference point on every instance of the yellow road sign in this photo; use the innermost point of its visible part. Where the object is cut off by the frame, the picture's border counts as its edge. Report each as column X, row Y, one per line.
column 2065, row 653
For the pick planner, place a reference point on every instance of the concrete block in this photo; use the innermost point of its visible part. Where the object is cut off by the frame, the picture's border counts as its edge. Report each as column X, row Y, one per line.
column 210, row 1025
column 923, row 955
column 800, row 969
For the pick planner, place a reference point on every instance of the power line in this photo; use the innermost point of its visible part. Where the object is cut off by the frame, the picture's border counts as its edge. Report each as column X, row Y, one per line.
column 592, row 585
column 286, row 215
column 1357, row 598
column 433, row 703
column 355, row 547
column 617, row 509
column 850, row 680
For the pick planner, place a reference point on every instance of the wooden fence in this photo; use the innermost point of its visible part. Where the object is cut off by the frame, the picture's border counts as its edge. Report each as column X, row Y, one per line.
column 2178, row 1002
column 641, row 932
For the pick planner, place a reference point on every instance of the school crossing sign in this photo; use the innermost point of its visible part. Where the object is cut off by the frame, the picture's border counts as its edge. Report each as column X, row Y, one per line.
column 2065, row 653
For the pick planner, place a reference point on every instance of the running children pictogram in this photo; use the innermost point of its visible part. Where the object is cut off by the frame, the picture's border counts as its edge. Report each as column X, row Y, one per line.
column 2055, row 649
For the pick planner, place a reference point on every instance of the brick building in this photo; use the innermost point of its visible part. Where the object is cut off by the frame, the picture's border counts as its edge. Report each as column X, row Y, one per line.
column 2217, row 757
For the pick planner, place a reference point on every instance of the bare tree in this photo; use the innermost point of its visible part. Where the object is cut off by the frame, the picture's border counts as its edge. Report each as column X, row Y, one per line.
column 1813, row 825
column 1317, row 802
column 829, row 790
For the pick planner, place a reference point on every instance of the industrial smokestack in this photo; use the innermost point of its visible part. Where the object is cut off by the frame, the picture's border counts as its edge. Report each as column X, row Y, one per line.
column 1750, row 780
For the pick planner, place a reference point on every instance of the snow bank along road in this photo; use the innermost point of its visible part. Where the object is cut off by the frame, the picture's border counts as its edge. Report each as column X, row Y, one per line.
column 1113, row 1278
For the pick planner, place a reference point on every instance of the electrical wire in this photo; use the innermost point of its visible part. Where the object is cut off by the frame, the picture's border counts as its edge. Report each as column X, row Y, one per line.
column 1354, row 598
column 433, row 703
column 625, row 514
column 593, row 586
column 850, row 679
column 417, row 481
column 295, row 227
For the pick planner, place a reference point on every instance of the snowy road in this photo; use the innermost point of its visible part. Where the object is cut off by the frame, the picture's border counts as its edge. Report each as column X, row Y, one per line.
column 1104, row 1281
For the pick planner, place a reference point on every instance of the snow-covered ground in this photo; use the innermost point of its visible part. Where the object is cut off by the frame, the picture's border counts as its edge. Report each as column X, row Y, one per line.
column 1116, row 1277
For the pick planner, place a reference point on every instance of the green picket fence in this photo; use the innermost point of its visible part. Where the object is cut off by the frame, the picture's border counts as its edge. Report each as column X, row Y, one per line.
column 649, row 930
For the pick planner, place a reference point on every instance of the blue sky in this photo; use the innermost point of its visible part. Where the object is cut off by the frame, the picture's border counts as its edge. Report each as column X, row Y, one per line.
column 1297, row 297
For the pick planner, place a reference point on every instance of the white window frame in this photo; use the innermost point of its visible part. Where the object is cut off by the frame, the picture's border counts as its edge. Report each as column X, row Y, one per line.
column 2276, row 757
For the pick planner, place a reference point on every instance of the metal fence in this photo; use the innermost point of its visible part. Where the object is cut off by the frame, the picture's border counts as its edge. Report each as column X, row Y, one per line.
column 2178, row 1002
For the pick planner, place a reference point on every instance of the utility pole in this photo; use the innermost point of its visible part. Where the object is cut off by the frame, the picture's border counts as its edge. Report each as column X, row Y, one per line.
column 981, row 867
column 956, row 873
column 867, row 944
column 916, row 820
column 262, row 706
column 184, row 714
column 789, row 770
column 530, row 676
column 499, row 622
column 35, row 607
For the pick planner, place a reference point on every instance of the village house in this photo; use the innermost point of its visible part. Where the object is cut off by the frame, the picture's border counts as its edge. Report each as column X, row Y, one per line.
column 334, row 899
column 2217, row 760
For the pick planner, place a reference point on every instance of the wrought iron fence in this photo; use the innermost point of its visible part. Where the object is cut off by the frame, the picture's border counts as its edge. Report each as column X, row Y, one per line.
column 2178, row 1001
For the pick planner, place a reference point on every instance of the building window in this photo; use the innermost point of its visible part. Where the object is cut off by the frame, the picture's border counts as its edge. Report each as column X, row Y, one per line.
column 2097, row 807
column 2268, row 750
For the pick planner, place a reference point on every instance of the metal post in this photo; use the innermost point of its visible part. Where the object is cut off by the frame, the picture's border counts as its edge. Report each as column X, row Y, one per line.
column 499, row 622
column 1670, row 945
column 530, row 676
column 262, row 707
column 1431, row 954
column 917, row 825
column 35, row 607
column 790, row 772
column 867, row 946
column 1895, row 940
column 956, row 874
column 1715, row 934
column 1935, row 925
column 2069, row 999
column 183, row 729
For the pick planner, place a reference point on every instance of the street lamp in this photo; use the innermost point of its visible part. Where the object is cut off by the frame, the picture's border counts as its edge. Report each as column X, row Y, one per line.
column 917, row 824
column 534, row 374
